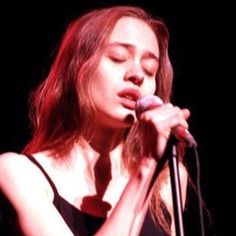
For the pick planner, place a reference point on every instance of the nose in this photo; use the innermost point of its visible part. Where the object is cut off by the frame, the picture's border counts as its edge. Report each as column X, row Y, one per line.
column 135, row 75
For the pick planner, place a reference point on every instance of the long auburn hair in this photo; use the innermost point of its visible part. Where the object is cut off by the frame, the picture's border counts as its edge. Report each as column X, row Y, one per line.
column 61, row 107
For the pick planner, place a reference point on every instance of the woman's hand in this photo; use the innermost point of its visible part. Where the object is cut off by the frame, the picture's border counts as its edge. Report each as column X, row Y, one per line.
column 162, row 119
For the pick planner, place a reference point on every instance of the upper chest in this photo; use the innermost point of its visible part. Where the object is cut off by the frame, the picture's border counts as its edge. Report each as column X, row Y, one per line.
column 82, row 187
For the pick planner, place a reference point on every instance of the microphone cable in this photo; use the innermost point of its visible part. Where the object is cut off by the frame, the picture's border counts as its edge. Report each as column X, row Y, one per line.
column 199, row 194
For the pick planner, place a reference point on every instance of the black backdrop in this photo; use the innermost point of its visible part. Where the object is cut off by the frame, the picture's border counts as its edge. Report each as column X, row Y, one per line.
column 199, row 33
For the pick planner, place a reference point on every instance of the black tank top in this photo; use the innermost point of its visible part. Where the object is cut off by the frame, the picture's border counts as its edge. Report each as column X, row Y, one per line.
column 80, row 223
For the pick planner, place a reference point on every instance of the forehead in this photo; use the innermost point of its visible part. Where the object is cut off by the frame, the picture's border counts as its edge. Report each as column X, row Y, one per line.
column 136, row 32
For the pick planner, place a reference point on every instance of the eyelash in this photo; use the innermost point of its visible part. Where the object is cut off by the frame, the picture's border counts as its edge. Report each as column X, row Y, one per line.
column 121, row 59
column 150, row 74
column 150, row 70
column 117, row 59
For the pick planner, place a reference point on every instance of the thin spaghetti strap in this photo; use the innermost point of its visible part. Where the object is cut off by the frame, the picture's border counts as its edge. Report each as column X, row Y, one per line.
column 31, row 158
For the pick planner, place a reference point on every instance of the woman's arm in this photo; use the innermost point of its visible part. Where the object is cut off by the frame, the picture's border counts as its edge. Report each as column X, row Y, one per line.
column 24, row 186
column 132, row 207
column 129, row 213
column 29, row 193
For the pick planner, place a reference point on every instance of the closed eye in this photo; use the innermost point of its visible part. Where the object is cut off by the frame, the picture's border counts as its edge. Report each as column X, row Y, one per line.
column 150, row 67
column 118, row 57
column 118, row 53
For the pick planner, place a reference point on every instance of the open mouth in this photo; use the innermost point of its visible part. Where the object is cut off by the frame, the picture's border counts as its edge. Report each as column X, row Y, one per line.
column 128, row 98
column 128, row 103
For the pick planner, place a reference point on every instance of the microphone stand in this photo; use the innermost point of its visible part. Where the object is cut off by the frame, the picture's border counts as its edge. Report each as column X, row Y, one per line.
column 171, row 155
column 175, row 186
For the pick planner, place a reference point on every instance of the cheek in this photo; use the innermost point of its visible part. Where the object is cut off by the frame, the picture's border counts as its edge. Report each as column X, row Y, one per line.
column 108, row 74
column 149, row 87
column 102, row 82
column 99, row 78
column 97, row 86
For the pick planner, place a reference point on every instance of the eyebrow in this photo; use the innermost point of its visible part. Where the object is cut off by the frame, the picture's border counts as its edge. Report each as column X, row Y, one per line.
column 132, row 47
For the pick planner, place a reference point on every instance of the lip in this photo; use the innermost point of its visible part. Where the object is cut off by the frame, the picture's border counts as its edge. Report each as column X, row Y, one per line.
column 128, row 97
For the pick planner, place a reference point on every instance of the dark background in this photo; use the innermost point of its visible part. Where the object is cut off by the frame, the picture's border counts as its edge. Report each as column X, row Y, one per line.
column 200, row 39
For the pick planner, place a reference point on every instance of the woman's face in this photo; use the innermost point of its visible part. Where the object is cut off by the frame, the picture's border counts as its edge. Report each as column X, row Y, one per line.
column 126, row 71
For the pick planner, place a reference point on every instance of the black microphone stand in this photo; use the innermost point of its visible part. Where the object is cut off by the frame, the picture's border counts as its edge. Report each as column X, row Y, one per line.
column 176, row 189
column 172, row 155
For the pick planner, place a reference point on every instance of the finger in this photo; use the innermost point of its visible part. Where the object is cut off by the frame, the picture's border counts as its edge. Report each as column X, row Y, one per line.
column 186, row 113
column 161, row 112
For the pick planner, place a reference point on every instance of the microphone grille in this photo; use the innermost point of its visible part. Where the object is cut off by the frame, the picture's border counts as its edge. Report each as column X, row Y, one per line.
column 147, row 102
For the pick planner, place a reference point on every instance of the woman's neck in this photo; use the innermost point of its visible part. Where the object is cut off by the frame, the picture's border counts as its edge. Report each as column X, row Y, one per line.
column 104, row 146
column 103, row 139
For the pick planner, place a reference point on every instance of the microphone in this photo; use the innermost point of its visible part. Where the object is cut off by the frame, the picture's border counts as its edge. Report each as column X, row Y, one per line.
column 179, row 132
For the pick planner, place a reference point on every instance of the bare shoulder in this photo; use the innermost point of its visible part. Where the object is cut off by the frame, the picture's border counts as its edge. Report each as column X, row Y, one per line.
column 14, row 164
column 29, row 192
column 11, row 161
column 19, row 174
column 9, row 157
